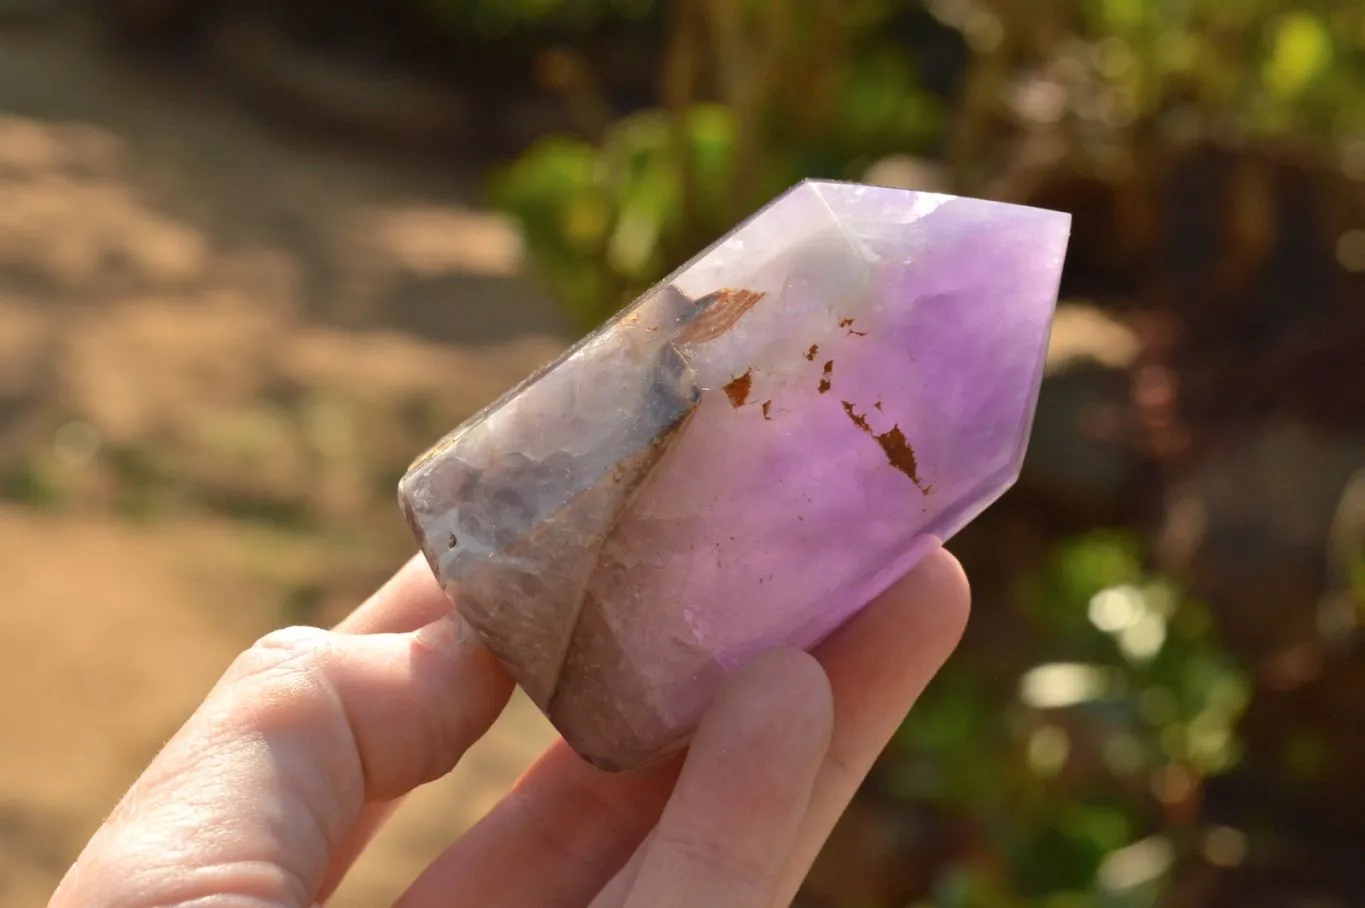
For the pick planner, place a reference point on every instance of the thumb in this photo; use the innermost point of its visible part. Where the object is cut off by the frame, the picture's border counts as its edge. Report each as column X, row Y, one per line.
column 252, row 800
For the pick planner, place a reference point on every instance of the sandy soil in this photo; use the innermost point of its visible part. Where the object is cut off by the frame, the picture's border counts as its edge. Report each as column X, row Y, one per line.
column 218, row 346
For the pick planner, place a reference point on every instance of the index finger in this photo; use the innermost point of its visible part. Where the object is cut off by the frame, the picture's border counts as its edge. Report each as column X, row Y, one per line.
column 411, row 599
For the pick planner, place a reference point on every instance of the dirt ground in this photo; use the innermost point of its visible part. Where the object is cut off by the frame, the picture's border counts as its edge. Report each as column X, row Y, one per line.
column 218, row 347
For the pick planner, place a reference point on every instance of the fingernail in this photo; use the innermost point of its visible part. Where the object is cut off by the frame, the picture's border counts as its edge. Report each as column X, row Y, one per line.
column 438, row 636
column 445, row 633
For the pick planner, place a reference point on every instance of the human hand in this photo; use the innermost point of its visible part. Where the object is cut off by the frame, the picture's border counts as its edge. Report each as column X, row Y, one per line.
column 275, row 785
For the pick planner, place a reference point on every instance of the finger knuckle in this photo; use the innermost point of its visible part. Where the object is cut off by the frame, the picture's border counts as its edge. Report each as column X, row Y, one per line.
column 286, row 651
column 734, row 867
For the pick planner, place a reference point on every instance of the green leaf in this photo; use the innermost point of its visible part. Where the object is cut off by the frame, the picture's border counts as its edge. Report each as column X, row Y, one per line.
column 1122, row 15
column 1301, row 50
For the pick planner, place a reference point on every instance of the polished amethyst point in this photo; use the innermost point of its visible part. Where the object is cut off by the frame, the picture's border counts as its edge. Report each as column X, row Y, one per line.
column 746, row 456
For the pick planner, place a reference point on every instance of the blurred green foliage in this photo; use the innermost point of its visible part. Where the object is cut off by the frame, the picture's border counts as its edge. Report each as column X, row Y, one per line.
column 30, row 482
column 496, row 18
column 1076, row 776
column 757, row 95
column 1273, row 66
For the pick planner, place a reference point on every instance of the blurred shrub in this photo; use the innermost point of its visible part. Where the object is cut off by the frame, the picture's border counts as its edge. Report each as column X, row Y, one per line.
column 495, row 18
column 598, row 221
column 756, row 97
column 1077, row 776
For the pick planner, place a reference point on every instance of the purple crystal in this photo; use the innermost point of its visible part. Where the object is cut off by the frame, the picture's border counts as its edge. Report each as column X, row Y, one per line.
column 746, row 456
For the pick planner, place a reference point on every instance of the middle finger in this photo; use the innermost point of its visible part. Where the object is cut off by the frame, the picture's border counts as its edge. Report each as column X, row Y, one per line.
column 724, row 838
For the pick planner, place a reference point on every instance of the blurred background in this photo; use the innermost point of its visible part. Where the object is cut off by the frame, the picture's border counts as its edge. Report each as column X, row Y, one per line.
column 255, row 256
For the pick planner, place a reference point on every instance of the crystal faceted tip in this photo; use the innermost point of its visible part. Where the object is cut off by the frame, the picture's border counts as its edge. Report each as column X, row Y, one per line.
column 746, row 456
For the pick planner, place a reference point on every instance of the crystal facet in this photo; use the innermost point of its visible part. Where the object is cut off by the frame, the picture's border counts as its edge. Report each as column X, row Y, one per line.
column 746, row 456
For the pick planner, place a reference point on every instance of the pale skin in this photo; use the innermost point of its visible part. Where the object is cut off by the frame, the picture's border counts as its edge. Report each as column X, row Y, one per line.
column 279, row 780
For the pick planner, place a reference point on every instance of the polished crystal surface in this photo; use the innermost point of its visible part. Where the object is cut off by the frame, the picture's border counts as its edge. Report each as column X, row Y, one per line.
column 746, row 456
